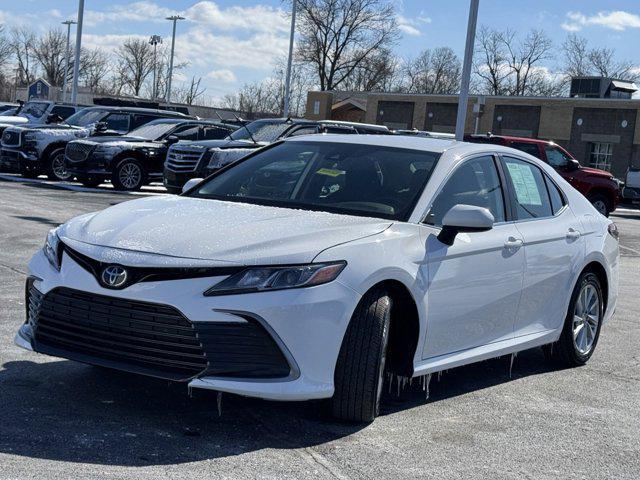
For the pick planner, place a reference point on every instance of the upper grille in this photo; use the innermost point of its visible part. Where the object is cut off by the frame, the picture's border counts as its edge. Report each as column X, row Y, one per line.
column 184, row 158
column 11, row 138
column 78, row 151
column 144, row 337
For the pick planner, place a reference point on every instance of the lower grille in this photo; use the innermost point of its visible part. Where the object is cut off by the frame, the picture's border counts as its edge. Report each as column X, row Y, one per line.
column 138, row 336
column 78, row 151
column 149, row 338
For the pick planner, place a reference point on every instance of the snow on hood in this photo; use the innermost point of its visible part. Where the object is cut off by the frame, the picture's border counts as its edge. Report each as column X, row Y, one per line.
column 12, row 120
column 43, row 135
column 218, row 231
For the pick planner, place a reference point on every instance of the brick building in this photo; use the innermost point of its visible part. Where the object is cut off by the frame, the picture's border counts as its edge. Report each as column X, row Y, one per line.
column 603, row 132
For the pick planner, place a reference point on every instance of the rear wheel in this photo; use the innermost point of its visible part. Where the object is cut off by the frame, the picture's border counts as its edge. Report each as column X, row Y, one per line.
column 601, row 203
column 360, row 369
column 56, row 169
column 582, row 325
column 129, row 175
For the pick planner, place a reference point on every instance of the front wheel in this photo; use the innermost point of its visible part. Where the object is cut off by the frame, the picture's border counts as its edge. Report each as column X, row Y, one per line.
column 56, row 169
column 359, row 374
column 129, row 175
column 581, row 329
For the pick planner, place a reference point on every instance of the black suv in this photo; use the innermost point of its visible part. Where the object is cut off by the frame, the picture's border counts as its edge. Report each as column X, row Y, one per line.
column 199, row 159
column 39, row 149
column 132, row 161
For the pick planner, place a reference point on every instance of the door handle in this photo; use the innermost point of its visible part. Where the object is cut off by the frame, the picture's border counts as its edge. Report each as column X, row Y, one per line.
column 513, row 242
column 573, row 234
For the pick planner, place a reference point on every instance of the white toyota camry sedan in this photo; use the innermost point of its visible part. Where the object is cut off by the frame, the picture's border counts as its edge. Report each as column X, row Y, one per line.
column 317, row 267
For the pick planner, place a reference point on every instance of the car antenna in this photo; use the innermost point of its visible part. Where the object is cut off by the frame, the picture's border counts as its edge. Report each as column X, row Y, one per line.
column 245, row 127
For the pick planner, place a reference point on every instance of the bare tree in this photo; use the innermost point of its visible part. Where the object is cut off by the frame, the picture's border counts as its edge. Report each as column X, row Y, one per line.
column 49, row 52
column 23, row 43
column 96, row 70
column 433, row 71
column 189, row 94
column 490, row 59
column 378, row 72
column 337, row 36
column 135, row 63
column 523, row 58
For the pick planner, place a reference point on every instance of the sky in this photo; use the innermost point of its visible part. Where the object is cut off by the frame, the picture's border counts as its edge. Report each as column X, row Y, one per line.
column 231, row 42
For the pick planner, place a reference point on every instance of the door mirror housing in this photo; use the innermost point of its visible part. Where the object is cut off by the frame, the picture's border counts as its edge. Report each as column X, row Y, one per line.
column 573, row 165
column 464, row 218
column 190, row 184
column 171, row 139
column 53, row 118
column 101, row 127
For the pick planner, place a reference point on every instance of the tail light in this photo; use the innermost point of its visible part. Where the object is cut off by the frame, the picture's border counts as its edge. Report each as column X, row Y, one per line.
column 613, row 230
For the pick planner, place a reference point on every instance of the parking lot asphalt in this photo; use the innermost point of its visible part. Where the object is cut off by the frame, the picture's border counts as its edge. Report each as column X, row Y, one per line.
column 61, row 419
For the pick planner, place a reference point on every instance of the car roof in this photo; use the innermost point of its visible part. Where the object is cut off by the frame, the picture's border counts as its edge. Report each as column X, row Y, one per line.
column 170, row 113
column 178, row 120
column 510, row 138
column 436, row 145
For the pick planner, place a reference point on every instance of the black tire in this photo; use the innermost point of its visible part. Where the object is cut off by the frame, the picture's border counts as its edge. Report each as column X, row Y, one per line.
column 360, row 368
column 55, row 166
column 601, row 203
column 565, row 351
column 118, row 178
column 90, row 182
column 27, row 173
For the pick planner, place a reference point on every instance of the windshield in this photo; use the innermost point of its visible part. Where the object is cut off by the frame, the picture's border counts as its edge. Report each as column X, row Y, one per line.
column 261, row 131
column 366, row 180
column 85, row 117
column 34, row 109
column 152, row 130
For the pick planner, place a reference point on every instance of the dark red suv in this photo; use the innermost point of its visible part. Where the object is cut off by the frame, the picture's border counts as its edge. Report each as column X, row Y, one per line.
column 597, row 185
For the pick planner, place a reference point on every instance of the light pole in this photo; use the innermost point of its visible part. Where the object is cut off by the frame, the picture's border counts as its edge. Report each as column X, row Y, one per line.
column 76, row 63
column 466, row 70
column 174, row 19
column 287, row 82
column 68, row 23
column 155, row 40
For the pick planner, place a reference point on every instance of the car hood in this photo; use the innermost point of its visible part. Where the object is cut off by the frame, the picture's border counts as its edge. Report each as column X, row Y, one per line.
column 12, row 120
column 221, row 232
column 595, row 172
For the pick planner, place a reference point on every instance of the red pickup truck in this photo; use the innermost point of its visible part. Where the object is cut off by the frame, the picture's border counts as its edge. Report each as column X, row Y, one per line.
column 597, row 185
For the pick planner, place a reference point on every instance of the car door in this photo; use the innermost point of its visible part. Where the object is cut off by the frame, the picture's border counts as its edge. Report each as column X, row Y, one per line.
column 552, row 245
column 474, row 285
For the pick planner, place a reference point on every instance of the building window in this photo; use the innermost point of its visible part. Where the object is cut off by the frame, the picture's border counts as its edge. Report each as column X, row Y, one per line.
column 601, row 155
column 316, row 107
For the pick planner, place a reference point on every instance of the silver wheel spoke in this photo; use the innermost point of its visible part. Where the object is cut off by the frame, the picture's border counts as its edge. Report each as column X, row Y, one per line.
column 586, row 317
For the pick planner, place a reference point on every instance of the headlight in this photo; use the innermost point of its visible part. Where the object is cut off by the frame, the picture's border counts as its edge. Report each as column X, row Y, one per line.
column 52, row 249
column 30, row 136
column 260, row 279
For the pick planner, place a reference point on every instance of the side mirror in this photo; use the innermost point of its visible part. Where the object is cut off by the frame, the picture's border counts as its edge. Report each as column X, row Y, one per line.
column 190, row 184
column 101, row 127
column 171, row 139
column 464, row 218
column 573, row 165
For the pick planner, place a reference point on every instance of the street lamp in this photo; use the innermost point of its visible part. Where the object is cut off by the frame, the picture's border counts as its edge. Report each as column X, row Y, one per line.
column 68, row 23
column 466, row 70
column 76, row 63
column 287, row 82
column 155, row 40
column 174, row 19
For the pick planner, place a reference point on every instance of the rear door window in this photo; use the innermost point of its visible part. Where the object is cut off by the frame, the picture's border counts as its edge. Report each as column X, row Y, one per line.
column 141, row 119
column 63, row 112
column 557, row 200
column 118, row 122
column 530, row 148
column 529, row 189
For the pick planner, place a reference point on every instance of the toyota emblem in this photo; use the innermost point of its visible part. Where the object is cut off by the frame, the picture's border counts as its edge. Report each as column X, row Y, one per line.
column 114, row 276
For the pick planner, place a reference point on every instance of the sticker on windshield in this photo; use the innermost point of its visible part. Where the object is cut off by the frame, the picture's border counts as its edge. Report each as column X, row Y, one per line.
column 330, row 172
column 525, row 184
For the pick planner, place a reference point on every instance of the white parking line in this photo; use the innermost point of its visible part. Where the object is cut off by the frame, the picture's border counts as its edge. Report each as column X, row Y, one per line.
column 147, row 190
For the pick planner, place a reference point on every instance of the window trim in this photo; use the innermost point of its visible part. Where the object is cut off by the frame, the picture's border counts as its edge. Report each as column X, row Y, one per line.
column 512, row 195
column 501, row 178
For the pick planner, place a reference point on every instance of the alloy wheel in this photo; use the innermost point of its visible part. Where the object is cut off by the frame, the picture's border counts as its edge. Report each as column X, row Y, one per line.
column 601, row 206
column 586, row 318
column 58, row 168
column 130, row 175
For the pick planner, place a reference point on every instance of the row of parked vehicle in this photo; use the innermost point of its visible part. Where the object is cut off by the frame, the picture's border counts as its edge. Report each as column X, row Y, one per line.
column 131, row 147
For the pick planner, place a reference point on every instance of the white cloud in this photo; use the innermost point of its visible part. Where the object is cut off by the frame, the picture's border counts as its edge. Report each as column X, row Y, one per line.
column 108, row 43
column 410, row 26
column 224, row 76
column 615, row 20
column 255, row 18
column 138, row 12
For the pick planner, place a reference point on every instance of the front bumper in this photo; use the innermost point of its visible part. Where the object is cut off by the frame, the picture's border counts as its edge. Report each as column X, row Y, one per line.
column 307, row 325
column 13, row 160
column 172, row 179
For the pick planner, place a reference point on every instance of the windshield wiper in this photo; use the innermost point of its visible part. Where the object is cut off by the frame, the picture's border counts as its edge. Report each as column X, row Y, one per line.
column 246, row 128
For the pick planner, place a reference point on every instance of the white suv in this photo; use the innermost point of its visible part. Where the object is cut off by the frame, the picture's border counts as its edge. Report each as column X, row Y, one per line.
column 315, row 266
